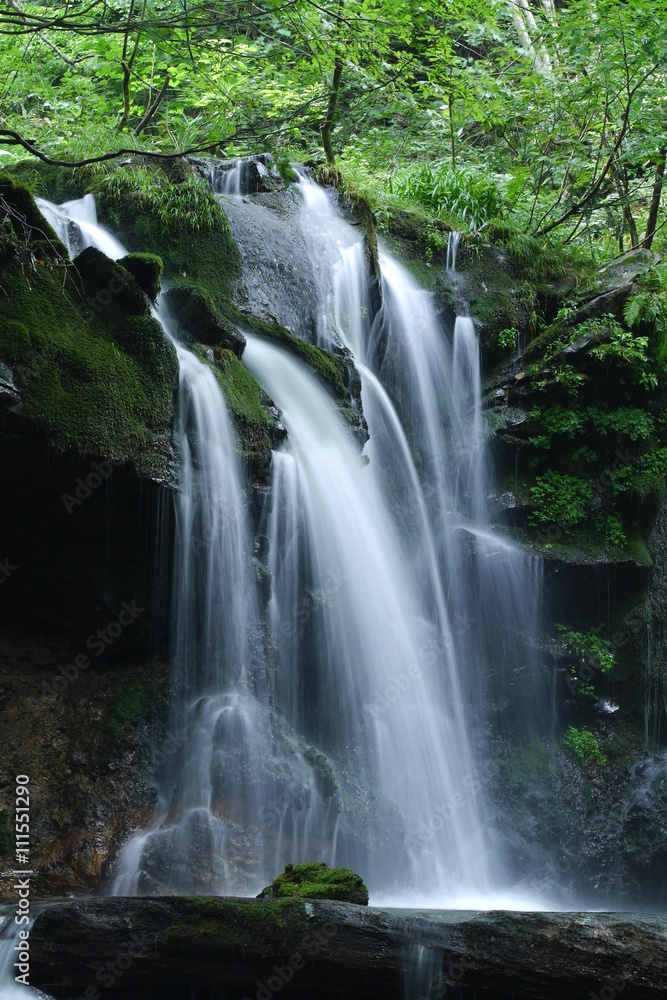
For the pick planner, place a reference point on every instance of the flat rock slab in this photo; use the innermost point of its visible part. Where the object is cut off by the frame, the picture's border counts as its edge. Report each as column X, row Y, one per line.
column 225, row 947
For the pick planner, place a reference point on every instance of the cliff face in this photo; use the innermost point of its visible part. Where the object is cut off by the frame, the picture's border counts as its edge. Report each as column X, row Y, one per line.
column 87, row 391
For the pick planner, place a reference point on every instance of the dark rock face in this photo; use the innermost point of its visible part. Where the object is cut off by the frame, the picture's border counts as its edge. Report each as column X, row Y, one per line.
column 250, row 175
column 165, row 948
column 91, row 735
column 201, row 320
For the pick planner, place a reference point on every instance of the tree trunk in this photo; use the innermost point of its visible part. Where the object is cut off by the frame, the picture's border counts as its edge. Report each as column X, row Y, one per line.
column 622, row 186
column 452, row 135
column 331, row 111
column 654, row 207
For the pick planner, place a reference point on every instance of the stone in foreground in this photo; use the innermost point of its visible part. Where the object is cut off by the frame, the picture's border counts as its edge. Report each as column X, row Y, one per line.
column 241, row 949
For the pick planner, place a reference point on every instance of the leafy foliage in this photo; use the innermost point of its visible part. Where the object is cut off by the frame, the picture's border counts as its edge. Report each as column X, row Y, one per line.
column 468, row 198
column 591, row 647
column 190, row 205
column 649, row 306
column 582, row 745
column 560, row 499
column 537, row 121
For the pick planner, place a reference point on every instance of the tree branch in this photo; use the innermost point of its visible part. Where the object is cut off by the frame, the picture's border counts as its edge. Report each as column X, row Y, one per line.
column 583, row 202
column 150, row 114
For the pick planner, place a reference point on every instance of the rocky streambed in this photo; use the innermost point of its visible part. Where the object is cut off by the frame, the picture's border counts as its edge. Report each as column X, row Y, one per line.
column 204, row 948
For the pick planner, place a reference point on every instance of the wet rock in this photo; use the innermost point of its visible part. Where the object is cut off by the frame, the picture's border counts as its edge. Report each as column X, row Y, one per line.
column 169, row 947
column 202, row 321
column 250, row 175
column 147, row 269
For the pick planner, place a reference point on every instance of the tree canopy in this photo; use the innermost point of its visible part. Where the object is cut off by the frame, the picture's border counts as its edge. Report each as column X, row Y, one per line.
column 548, row 115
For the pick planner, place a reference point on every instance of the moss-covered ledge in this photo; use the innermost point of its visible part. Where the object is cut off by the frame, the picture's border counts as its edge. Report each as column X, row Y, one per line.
column 93, row 370
column 335, row 370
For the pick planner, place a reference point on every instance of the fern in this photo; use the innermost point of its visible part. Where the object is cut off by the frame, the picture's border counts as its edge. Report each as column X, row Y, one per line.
column 650, row 306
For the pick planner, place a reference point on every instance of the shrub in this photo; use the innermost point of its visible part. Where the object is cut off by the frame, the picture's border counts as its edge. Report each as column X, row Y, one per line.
column 471, row 198
column 583, row 746
column 560, row 499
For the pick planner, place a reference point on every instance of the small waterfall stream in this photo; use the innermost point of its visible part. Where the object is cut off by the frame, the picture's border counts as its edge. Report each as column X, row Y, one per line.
column 10, row 942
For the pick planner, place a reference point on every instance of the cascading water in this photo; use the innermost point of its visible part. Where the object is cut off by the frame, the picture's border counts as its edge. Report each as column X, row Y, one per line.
column 365, row 640
column 337, row 726
column 243, row 795
column 473, row 593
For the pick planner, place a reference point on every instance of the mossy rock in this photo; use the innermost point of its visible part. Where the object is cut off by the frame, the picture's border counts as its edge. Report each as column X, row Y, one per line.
column 26, row 223
column 336, row 370
column 206, row 256
column 107, row 289
column 58, row 184
column 253, row 411
column 86, row 377
column 272, row 928
column 201, row 320
column 147, row 268
column 317, row 881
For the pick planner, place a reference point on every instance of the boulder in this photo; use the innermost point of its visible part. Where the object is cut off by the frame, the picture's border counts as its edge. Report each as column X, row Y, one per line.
column 317, row 881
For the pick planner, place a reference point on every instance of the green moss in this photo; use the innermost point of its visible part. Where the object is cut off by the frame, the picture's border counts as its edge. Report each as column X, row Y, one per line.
column 201, row 320
column 317, row 881
column 58, row 184
column 272, row 927
column 329, row 367
column 147, row 269
column 14, row 341
column 637, row 550
column 246, row 400
column 7, row 838
column 131, row 706
column 88, row 385
column 182, row 221
column 241, row 390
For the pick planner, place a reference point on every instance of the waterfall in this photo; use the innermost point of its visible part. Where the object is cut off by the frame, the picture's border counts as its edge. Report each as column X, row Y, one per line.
column 473, row 597
column 244, row 795
column 367, row 642
column 343, row 721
